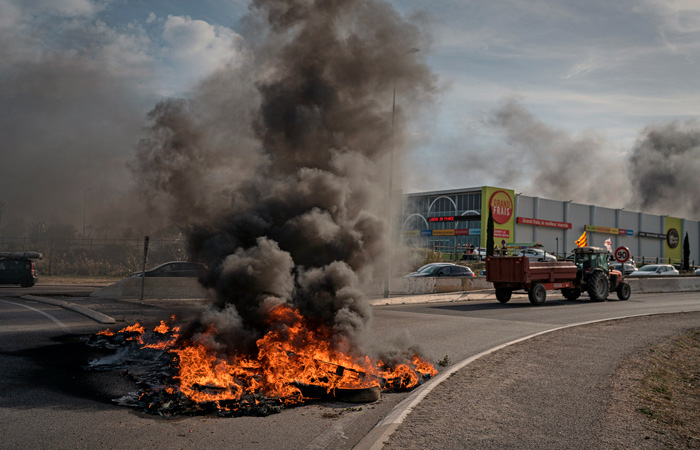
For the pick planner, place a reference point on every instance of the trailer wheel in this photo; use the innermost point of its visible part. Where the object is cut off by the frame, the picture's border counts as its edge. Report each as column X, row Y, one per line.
column 503, row 294
column 537, row 294
column 598, row 287
column 624, row 291
column 571, row 293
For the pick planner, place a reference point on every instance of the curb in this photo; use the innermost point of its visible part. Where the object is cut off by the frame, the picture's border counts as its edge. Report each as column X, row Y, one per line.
column 377, row 437
column 94, row 315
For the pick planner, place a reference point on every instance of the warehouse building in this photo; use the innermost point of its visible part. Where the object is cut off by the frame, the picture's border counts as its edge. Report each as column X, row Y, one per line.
column 450, row 220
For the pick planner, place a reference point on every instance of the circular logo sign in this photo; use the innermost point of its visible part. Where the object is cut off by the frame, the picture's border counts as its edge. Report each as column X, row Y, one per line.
column 673, row 238
column 502, row 207
column 622, row 254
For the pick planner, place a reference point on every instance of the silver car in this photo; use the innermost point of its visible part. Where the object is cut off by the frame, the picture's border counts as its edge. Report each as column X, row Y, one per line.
column 536, row 254
column 653, row 270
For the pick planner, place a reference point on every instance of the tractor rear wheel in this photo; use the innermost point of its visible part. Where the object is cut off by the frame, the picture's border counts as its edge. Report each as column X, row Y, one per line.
column 537, row 294
column 623, row 291
column 598, row 287
column 503, row 294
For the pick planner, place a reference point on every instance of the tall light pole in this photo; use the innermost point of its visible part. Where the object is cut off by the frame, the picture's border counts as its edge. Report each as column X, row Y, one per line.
column 387, row 276
column 85, row 191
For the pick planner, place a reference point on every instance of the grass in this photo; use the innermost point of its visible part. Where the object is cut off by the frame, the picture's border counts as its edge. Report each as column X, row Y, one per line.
column 669, row 392
column 74, row 280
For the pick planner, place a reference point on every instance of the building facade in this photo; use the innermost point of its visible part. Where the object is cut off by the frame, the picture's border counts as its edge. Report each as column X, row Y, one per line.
column 450, row 220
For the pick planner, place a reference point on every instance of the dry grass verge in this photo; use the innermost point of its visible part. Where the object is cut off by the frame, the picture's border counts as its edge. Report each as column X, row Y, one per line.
column 669, row 392
column 75, row 280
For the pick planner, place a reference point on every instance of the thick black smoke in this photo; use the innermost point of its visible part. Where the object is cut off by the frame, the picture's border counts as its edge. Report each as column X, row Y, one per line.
column 541, row 160
column 665, row 169
column 305, row 219
column 658, row 175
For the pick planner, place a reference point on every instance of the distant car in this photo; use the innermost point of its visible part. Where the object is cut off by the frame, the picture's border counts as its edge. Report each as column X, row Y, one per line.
column 626, row 268
column 441, row 270
column 655, row 270
column 697, row 271
column 535, row 253
column 18, row 268
column 175, row 269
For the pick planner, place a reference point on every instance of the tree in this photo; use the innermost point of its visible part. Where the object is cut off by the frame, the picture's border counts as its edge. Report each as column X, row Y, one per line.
column 489, row 234
column 686, row 253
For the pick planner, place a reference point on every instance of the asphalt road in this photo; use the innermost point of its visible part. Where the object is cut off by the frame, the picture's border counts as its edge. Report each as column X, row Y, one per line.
column 48, row 398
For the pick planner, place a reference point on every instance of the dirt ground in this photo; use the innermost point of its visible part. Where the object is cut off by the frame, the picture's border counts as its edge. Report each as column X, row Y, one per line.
column 660, row 388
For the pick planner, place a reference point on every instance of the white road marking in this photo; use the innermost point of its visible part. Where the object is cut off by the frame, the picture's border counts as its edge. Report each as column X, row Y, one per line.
column 45, row 314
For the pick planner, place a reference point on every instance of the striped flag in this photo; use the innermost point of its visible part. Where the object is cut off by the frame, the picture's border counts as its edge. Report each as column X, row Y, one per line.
column 582, row 241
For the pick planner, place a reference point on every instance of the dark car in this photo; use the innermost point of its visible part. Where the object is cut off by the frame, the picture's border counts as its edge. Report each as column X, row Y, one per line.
column 175, row 269
column 442, row 270
column 18, row 268
column 626, row 268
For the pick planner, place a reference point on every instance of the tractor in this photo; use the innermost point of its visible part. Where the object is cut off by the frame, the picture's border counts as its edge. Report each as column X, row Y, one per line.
column 595, row 277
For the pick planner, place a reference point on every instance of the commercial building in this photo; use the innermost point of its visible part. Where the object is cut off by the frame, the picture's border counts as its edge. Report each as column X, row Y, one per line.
column 452, row 219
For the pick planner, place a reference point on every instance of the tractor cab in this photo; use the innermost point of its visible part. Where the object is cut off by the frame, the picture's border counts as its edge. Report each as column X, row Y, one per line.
column 588, row 259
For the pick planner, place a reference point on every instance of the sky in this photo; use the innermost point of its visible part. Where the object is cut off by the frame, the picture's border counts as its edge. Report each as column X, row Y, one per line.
column 587, row 101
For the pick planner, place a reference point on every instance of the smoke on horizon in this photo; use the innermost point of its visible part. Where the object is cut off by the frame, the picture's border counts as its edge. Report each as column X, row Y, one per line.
column 658, row 175
column 664, row 169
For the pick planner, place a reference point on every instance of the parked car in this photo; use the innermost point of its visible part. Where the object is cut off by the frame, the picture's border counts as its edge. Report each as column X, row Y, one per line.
column 535, row 253
column 441, row 270
column 626, row 268
column 655, row 270
column 175, row 269
column 18, row 268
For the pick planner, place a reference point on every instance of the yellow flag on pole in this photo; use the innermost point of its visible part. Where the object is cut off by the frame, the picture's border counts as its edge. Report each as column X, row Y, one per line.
column 582, row 241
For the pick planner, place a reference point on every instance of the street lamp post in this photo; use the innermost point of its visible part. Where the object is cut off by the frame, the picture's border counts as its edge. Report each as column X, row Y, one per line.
column 85, row 191
column 387, row 276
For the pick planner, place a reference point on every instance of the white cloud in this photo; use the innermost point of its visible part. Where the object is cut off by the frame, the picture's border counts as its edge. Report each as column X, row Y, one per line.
column 194, row 48
column 9, row 14
column 65, row 8
column 680, row 16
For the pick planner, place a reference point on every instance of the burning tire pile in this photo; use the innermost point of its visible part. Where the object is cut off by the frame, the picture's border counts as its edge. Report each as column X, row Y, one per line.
column 177, row 376
column 276, row 170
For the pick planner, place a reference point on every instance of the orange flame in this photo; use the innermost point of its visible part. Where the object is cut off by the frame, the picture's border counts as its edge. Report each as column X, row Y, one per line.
column 291, row 355
column 288, row 356
column 135, row 328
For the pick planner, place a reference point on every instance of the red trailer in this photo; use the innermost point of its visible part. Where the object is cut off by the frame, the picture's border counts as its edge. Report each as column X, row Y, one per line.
column 536, row 277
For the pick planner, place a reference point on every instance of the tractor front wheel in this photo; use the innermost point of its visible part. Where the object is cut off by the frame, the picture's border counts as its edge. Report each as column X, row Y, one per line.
column 598, row 287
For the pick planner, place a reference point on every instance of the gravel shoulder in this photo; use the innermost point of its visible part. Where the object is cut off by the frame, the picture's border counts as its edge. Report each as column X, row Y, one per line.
column 569, row 389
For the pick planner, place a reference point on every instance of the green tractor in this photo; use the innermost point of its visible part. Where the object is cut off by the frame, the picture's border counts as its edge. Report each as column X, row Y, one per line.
column 595, row 277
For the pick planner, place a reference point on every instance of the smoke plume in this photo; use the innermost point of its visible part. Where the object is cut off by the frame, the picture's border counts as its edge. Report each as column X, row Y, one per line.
column 300, row 135
column 665, row 167
column 541, row 160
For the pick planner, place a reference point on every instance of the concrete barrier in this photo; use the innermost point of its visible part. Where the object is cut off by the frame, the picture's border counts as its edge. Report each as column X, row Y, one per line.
column 437, row 285
column 650, row 285
column 155, row 287
column 428, row 285
column 167, row 287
